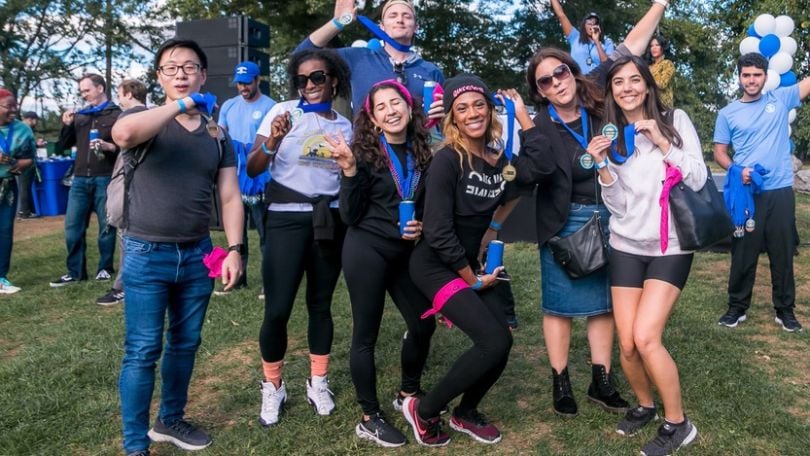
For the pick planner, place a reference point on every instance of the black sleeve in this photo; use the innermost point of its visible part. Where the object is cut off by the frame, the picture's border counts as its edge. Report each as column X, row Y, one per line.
column 353, row 196
column 440, row 191
column 67, row 137
column 536, row 159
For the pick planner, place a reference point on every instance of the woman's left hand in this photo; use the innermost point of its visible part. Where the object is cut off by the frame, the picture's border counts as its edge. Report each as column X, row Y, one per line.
column 413, row 230
column 342, row 153
column 649, row 128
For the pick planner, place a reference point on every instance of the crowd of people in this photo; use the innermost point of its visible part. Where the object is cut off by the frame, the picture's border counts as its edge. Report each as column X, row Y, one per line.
column 380, row 200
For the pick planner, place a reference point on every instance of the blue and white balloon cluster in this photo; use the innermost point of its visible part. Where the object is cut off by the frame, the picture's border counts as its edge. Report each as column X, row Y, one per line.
column 770, row 36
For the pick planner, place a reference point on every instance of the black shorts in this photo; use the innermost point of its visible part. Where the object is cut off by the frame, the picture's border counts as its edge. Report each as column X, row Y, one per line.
column 629, row 270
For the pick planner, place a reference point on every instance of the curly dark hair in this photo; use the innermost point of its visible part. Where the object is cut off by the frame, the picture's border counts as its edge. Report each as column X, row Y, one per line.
column 366, row 137
column 588, row 92
column 654, row 108
column 335, row 66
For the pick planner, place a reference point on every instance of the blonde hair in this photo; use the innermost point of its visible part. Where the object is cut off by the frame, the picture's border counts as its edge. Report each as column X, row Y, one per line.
column 454, row 138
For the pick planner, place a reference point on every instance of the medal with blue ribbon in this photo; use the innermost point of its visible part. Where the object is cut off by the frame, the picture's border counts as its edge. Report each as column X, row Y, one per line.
column 304, row 107
column 509, row 171
column 407, row 181
column 629, row 143
column 380, row 33
column 93, row 109
column 585, row 161
column 7, row 141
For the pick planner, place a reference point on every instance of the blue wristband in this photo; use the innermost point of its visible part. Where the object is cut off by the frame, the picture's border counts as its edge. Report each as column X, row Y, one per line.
column 267, row 151
column 495, row 226
column 602, row 164
column 477, row 285
column 182, row 105
column 337, row 24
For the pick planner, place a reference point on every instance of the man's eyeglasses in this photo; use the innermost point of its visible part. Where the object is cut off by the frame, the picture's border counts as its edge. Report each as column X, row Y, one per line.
column 188, row 68
column 317, row 78
column 399, row 70
column 561, row 72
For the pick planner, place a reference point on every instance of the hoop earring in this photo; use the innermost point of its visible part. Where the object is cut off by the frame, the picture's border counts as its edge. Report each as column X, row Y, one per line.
column 377, row 130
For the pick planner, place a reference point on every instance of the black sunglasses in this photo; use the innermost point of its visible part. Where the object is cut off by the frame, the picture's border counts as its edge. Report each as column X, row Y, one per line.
column 561, row 72
column 399, row 70
column 317, row 78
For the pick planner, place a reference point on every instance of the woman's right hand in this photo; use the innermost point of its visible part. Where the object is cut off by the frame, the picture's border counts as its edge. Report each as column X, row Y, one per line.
column 598, row 147
column 342, row 153
column 490, row 280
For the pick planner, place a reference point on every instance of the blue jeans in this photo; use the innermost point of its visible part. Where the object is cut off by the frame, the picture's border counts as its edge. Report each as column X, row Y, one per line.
column 7, row 230
column 87, row 195
column 160, row 276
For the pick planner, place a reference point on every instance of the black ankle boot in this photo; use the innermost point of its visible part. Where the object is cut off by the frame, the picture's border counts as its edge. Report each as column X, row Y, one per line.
column 603, row 393
column 564, row 403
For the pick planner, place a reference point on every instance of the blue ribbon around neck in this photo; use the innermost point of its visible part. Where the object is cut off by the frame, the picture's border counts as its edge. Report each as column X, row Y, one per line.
column 510, row 124
column 380, row 33
column 402, row 180
column 314, row 107
column 7, row 141
column 583, row 115
column 629, row 145
column 93, row 109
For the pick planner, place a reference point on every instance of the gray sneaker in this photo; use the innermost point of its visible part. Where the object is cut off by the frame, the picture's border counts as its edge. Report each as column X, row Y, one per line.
column 181, row 434
column 670, row 438
column 635, row 419
column 380, row 431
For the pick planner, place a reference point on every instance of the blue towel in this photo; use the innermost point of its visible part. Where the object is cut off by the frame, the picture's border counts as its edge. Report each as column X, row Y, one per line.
column 249, row 187
column 739, row 197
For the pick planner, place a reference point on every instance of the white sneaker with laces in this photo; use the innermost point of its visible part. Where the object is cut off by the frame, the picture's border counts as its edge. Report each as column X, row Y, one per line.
column 272, row 403
column 319, row 396
column 6, row 287
column 103, row 275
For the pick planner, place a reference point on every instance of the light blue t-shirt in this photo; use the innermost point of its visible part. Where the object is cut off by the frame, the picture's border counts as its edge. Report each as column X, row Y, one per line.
column 242, row 118
column 758, row 133
column 580, row 52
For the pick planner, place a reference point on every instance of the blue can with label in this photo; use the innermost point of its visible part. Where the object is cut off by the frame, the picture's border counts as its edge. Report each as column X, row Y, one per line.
column 494, row 256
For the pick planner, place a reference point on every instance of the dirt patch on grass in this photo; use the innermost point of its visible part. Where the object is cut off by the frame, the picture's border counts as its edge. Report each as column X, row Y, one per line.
column 38, row 227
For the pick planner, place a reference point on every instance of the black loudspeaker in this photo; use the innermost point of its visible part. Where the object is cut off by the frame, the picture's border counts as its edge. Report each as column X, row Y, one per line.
column 226, row 31
column 223, row 59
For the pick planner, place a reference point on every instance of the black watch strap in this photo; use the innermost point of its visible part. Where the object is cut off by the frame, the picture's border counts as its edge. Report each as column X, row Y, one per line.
column 237, row 248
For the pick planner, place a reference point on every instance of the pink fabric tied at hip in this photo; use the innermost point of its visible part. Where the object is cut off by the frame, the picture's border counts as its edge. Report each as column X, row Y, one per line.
column 443, row 295
column 213, row 261
column 672, row 179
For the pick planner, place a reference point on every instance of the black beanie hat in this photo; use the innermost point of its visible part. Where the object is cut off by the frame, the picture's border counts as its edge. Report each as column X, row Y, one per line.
column 463, row 83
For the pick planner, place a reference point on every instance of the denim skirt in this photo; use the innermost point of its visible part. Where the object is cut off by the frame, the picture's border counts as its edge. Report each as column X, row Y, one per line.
column 566, row 297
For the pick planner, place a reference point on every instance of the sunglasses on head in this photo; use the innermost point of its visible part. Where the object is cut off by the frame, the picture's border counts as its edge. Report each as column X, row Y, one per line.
column 317, row 78
column 561, row 72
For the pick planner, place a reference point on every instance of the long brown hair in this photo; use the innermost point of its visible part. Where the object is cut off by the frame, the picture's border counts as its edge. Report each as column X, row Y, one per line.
column 590, row 96
column 654, row 108
column 454, row 138
column 366, row 137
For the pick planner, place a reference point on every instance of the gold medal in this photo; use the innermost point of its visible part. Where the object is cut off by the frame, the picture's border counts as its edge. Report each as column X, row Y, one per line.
column 509, row 172
column 213, row 128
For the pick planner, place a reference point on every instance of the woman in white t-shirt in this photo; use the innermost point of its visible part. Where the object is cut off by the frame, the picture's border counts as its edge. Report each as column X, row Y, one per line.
column 303, row 230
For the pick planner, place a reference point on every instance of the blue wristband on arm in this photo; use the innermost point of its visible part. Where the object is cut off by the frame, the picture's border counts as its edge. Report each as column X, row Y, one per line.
column 495, row 226
column 337, row 24
column 477, row 285
column 182, row 105
column 267, row 151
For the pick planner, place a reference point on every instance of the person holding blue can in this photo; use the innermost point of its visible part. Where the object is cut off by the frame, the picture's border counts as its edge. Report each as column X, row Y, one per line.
column 381, row 200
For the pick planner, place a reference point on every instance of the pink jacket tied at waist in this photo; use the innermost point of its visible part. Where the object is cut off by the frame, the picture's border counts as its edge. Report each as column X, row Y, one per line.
column 672, row 179
column 213, row 261
column 443, row 295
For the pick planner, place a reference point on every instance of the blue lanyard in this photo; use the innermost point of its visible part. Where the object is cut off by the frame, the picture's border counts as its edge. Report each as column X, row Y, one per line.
column 583, row 115
column 314, row 107
column 379, row 33
column 629, row 145
column 93, row 109
column 6, row 143
column 405, row 182
column 510, row 125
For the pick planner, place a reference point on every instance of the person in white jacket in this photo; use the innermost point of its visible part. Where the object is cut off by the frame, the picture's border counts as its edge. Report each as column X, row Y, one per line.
column 647, row 270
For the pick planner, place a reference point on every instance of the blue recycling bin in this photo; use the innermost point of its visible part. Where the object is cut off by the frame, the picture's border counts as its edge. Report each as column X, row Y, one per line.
column 50, row 196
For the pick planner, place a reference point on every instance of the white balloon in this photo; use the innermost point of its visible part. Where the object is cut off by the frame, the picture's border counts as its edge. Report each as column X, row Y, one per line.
column 772, row 82
column 360, row 44
column 749, row 45
column 764, row 24
column 781, row 62
column 783, row 26
column 790, row 130
column 792, row 115
column 788, row 45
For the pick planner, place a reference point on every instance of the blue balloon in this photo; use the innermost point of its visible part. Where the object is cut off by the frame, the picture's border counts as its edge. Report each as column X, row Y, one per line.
column 374, row 44
column 752, row 32
column 788, row 79
column 769, row 45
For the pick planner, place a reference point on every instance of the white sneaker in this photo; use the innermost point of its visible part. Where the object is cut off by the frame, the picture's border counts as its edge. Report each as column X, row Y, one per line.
column 6, row 287
column 272, row 402
column 319, row 396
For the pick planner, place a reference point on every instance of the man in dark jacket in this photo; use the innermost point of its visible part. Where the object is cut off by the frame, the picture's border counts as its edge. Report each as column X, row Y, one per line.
column 92, row 171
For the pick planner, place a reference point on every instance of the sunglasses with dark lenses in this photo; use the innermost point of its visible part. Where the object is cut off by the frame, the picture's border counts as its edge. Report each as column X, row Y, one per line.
column 317, row 78
column 561, row 72
column 399, row 71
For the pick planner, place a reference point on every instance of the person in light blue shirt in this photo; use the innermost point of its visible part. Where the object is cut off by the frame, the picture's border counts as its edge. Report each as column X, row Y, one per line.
column 241, row 117
column 756, row 127
column 589, row 46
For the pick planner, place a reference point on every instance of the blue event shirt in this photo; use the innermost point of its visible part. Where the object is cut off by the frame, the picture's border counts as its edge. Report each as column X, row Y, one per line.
column 371, row 66
column 580, row 52
column 758, row 133
column 242, row 118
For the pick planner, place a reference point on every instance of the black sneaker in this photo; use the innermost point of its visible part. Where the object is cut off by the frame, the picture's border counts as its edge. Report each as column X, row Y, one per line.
column 670, row 438
column 63, row 281
column 635, row 419
column 788, row 320
column 181, row 434
column 732, row 318
column 380, row 431
column 112, row 298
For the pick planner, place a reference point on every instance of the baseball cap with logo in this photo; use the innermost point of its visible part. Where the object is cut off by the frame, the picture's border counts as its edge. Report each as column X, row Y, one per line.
column 245, row 72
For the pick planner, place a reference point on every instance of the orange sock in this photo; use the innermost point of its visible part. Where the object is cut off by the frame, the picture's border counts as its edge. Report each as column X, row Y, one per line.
column 318, row 365
column 272, row 372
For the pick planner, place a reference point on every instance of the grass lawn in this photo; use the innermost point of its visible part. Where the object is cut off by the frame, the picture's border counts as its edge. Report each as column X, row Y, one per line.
column 747, row 390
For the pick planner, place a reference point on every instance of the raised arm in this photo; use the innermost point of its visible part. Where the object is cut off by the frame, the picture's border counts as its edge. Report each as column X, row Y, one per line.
column 639, row 37
column 326, row 32
column 564, row 21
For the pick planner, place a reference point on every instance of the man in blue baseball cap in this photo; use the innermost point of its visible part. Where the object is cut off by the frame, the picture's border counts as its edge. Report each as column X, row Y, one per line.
column 241, row 117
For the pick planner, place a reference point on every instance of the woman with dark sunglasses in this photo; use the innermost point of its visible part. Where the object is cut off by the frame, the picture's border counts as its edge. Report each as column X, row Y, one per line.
column 570, row 109
column 303, row 230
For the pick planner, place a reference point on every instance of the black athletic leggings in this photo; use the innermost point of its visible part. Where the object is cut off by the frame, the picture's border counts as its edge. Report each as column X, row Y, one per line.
column 289, row 252
column 373, row 265
column 480, row 315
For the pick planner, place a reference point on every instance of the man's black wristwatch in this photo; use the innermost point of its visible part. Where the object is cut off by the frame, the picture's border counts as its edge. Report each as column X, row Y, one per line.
column 240, row 248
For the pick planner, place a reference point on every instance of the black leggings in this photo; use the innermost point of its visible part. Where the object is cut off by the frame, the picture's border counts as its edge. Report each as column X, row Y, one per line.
column 480, row 315
column 289, row 252
column 373, row 265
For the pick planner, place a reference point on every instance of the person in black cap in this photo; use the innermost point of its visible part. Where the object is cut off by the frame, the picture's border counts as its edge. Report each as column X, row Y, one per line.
column 589, row 46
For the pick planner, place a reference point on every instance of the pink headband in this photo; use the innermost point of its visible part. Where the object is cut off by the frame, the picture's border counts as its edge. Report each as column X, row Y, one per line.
column 5, row 93
column 392, row 82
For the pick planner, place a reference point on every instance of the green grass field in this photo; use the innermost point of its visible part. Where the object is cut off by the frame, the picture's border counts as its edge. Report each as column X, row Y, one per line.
column 747, row 390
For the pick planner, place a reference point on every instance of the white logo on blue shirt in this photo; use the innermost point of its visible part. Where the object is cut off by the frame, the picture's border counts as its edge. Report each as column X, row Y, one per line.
column 770, row 108
column 257, row 115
